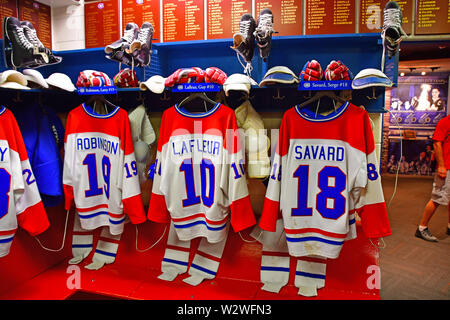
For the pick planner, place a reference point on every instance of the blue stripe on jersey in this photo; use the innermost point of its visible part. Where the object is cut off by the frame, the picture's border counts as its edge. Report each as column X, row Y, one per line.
column 6, row 240
column 2, row 109
column 175, row 261
column 336, row 243
column 92, row 214
column 193, row 265
column 182, row 226
column 105, row 253
column 352, row 221
column 264, row 268
column 196, row 115
column 310, row 275
column 82, row 245
column 94, row 114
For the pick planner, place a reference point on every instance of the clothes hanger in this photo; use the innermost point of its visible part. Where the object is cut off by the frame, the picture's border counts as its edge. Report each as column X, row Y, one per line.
column 100, row 99
column 320, row 95
column 196, row 95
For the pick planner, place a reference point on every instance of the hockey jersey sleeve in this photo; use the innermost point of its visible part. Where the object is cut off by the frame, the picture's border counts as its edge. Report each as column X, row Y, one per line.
column 31, row 215
column 233, row 181
column 271, row 209
column 68, row 176
column 157, row 210
column 368, row 192
column 128, row 180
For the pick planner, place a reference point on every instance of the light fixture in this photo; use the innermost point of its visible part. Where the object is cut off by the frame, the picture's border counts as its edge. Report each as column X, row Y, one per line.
column 402, row 74
column 434, row 68
column 423, row 73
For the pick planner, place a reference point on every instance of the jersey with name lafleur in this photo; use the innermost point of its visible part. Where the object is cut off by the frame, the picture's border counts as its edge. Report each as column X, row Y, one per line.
column 200, row 182
column 100, row 170
column 325, row 169
column 20, row 202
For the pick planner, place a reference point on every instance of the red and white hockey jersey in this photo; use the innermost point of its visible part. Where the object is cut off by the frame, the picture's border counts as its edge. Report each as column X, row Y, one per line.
column 20, row 202
column 100, row 170
column 324, row 169
column 199, row 181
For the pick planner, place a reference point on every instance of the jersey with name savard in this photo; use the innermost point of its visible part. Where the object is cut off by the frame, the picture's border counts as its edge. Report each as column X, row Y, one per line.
column 199, row 182
column 100, row 171
column 325, row 169
column 20, row 202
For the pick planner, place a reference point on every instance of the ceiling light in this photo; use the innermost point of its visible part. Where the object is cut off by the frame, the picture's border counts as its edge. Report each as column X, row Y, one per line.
column 402, row 74
column 423, row 73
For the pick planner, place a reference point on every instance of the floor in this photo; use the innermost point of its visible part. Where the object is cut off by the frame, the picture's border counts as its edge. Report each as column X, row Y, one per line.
column 412, row 268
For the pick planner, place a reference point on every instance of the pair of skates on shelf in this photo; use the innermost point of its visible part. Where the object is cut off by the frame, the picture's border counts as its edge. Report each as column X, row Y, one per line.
column 22, row 47
column 249, row 31
column 134, row 48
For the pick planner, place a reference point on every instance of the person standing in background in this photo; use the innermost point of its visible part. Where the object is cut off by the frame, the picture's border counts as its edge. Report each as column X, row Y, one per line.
column 440, row 194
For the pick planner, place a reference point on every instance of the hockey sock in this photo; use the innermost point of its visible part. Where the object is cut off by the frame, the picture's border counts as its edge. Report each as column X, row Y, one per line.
column 176, row 256
column 310, row 275
column 81, row 242
column 106, row 250
column 206, row 261
column 275, row 259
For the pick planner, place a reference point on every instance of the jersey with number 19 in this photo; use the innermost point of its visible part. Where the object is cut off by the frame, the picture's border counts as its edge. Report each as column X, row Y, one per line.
column 200, row 182
column 20, row 202
column 100, row 171
column 325, row 170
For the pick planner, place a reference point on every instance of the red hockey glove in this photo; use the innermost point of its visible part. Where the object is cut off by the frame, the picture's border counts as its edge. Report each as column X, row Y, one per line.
column 312, row 71
column 126, row 78
column 336, row 70
column 185, row 75
column 215, row 75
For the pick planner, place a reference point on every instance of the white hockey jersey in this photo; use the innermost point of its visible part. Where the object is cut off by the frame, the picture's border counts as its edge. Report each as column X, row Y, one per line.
column 20, row 202
column 100, row 172
column 199, row 181
column 325, row 168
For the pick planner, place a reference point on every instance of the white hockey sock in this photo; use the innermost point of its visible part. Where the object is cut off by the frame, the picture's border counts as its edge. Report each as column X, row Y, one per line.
column 206, row 261
column 310, row 275
column 81, row 242
column 275, row 259
column 274, row 270
column 176, row 256
column 106, row 250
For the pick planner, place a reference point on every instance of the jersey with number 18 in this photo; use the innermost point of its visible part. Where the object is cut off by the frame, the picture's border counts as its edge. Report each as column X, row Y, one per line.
column 100, row 171
column 325, row 171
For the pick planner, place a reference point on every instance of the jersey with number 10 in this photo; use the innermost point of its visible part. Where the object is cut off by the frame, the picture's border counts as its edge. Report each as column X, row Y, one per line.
column 100, row 171
column 20, row 202
column 200, row 182
column 325, row 170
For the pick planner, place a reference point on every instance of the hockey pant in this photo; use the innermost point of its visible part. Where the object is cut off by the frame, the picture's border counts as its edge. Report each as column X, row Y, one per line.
column 256, row 141
column 176, row 259
column 82, row 244
column 275, row 261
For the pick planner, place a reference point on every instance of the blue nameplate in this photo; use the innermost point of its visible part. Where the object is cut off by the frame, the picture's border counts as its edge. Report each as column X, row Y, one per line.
column 196, row 87
column 326, row 85
column 97, row 90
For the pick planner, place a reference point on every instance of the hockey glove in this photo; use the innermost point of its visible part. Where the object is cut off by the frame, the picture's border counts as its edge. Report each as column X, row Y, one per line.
column 312, row 71
column 336, row 70
column 185, row 75
column 215, row 75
